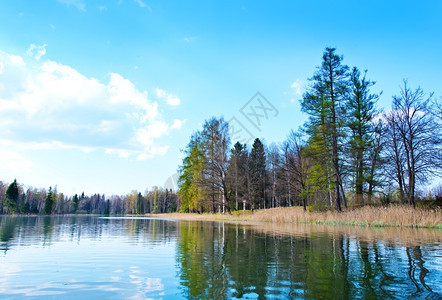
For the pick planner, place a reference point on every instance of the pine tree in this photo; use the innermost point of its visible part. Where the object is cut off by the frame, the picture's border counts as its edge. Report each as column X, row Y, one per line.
column 107, row 209
column 12, row 195
column 360, row 113
column 237, row 174
column 75, row 203
column 49, row 202
column 324, row 102
column 257, row 170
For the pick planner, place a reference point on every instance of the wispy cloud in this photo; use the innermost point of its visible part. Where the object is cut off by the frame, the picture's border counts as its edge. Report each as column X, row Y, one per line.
column 79, row 4
column 178, row 123
column 53, row 106
column 298, row 86
column 11, row 161
column 36, row 51
column 143, row 4
column 171, row 99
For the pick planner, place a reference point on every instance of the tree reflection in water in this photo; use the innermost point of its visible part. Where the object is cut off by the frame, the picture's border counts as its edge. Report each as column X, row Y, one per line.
column 220, row 261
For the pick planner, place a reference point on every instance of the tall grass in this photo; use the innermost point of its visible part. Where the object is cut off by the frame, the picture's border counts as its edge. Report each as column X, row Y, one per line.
column 400, row 216
column 394, row 215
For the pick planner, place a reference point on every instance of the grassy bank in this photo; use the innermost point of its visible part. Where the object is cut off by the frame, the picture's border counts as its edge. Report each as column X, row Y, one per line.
column 391, row 216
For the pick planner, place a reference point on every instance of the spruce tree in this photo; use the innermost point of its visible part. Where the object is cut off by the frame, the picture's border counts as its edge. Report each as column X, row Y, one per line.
column 49, row 202
column 257, row 170
column 12, row 194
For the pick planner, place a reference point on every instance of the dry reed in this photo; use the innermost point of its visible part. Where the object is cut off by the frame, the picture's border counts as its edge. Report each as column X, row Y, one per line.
column 394, row 215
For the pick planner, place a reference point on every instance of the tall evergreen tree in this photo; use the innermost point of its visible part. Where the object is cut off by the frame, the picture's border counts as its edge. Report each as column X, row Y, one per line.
column 12, row 194
column 360, row 113
column 50, row 201
column 236, row 173
column 324, row 102
column 75, row 201
column 257, row 170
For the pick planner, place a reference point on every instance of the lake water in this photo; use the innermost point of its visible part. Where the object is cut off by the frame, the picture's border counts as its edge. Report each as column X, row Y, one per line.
column 138, row 258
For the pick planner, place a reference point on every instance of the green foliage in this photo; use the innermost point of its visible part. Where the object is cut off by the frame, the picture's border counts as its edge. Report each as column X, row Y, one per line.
column 257, row 170
column 155, row 203
column 360, row 112
column 190, row 190
column 12, row 194
column 237, row 175
column 50, row 201
column 324, row 101
column 75, row 202
column 107, row 210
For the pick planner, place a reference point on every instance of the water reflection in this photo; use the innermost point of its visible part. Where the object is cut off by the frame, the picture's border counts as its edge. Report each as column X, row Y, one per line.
column 23, row 231
column 143, row 258
column 219, row 261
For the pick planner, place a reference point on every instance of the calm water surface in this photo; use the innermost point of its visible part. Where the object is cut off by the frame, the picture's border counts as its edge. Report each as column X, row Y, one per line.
column 92, row 257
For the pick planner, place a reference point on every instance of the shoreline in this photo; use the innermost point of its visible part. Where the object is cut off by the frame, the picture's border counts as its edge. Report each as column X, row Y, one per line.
column 391, row 216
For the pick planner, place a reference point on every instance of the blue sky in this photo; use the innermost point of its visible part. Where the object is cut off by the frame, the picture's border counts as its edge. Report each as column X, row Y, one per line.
column 100, row 96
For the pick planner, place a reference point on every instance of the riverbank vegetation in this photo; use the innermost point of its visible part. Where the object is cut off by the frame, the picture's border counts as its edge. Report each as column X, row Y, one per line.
column 370, row 216
column 348, row 153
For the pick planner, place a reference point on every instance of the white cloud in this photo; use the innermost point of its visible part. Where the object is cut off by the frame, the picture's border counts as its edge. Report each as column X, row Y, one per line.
column 52, row 26
column 171, row 99
column 161, row 93
column 36, row 51
column 143, row 156
column 53, row 106
column 178, row 123
column 120, row 152
column 12, row 161
column 155, row 151
column 298, row 86
column 79, row 4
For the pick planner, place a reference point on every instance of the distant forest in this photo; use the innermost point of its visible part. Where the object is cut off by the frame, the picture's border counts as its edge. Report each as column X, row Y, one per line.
column 15, row 199
column 349, row 153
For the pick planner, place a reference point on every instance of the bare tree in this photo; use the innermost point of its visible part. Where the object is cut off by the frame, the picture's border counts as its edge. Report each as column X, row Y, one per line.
column 297, row 166
column 216, row 143
column 416, row 140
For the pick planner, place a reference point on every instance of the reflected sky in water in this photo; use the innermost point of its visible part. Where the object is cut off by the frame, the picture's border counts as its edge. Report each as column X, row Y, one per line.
column 138, row 258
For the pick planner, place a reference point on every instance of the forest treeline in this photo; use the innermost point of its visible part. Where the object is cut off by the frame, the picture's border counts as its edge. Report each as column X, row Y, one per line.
column 347, row 153
column 16, row 199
